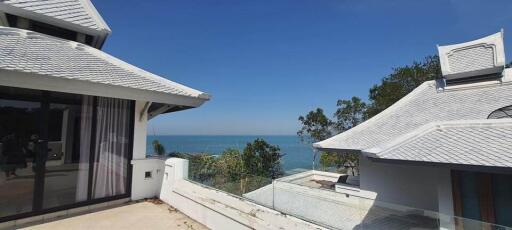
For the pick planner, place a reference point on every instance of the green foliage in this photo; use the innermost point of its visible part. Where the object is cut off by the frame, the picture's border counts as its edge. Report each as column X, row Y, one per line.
column 315, row 126
column 340, row 161
column 262, row 159
column 349, row 113
column 230, row 164
column 234, row 171
column 327, row 160
column 400, row 82
column 158, row 148
column 202, row 167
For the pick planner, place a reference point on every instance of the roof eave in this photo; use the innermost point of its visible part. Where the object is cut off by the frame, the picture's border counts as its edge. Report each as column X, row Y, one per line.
column 58, row 84
column 318, row 147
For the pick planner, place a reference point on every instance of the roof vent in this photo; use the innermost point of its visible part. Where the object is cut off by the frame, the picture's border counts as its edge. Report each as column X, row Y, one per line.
column 482, row 58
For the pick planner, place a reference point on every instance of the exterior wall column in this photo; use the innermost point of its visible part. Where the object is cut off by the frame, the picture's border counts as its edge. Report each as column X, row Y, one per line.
column 140, row 131
column 147, row 173
column 445, row 199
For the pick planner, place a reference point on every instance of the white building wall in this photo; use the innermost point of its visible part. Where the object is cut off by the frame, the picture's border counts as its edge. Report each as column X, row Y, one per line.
column 142, row 186
column 140, row 131
column 406, row 185
column 147, row 187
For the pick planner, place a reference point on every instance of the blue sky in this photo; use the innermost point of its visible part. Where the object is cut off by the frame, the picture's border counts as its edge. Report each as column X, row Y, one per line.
column 266, row 62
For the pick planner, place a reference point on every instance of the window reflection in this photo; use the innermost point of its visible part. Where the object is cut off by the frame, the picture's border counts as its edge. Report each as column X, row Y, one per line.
column 47, row 141
column 19, row 132
column 66, row 176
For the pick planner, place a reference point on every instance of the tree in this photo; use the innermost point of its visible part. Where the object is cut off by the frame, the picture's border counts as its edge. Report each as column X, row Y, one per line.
column 230, row 164
column 235, row 171
column 315, row 126
column 349, row 113
column 158, row 148
column 340, row 161
column 262, row 159
column 509, row 65
column 400, row 82
column 202, row 167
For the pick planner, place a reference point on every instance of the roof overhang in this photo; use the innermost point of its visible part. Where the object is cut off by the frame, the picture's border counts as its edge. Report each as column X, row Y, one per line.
column 319, row 147
column 484, row 143
column 36, row 61
column 465, row 167
column 50, row 83
column 479, row 144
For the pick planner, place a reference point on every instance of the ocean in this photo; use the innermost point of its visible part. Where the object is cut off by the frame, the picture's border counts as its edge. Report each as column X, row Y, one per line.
column 297, row 155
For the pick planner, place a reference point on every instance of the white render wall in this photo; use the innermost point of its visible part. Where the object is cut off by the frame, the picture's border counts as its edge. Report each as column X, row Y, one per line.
column 140, row 131
column 326, row 207
column 143, row 187
column 406, row 185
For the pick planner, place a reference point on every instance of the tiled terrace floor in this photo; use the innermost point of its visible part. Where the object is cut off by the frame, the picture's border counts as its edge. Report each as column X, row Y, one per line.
column 144, row 215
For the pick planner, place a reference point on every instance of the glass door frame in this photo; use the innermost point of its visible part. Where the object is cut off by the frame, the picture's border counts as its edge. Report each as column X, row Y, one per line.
column 39, row 178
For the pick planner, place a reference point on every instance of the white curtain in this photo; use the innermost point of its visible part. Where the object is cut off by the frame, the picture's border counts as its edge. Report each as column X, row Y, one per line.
column 111, row 147
column 85, row 148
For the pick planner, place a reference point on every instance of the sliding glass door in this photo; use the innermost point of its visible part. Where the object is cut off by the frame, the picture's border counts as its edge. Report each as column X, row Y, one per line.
column 66, row 169
column 60, row 150
column 111, row 147
column 19, row 145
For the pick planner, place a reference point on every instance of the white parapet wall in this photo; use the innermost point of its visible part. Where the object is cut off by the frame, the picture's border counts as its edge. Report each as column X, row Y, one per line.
column 147, row 175
column 339, row 208
column 323, row 206
column 217, row 209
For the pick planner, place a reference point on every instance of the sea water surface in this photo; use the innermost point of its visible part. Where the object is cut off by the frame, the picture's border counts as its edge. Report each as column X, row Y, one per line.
column 296, row 154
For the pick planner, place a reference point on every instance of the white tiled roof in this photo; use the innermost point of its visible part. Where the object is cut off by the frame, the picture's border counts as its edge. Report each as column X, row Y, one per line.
column 422, row 106
column 476, row 142
column 79, row 12
column 30, row 52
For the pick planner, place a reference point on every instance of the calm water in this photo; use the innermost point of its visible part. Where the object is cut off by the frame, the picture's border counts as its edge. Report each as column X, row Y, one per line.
column 297, row 154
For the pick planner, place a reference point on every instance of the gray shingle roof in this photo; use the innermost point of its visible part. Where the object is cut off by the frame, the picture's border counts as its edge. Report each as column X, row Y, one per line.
column 424, row 105
column 30, row 52
column 79, row 12
column 477, row 142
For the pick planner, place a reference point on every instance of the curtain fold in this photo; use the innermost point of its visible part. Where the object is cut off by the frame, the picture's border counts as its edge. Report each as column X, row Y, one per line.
column 111, row 147
column 85, row 148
